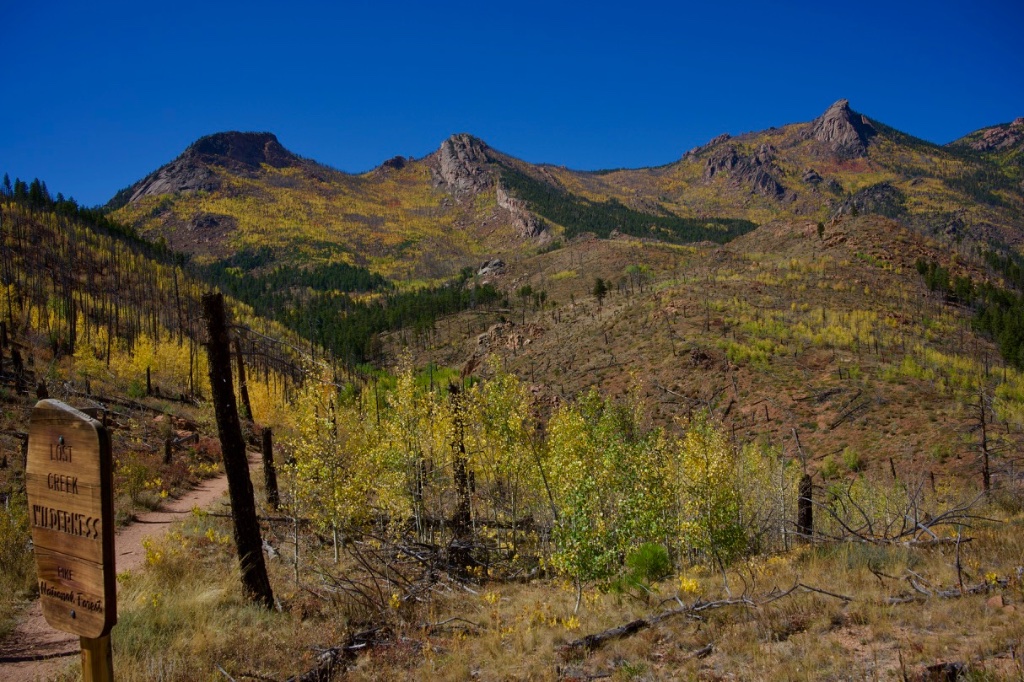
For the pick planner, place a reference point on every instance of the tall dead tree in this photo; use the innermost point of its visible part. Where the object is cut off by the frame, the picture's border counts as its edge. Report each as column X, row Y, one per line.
column 248, row 540
column 986, row 471
column 805, row 508
column 461, row 543
column 269, row 472
column 19, row 371
column 243, row 385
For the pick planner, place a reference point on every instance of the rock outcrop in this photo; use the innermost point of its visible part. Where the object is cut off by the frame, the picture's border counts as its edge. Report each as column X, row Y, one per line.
column 465, row 165
column 765, row 154
column 811, row 177
column 508, row 335
column 753, row 170
column 883, row 199
column 460, row 165
column 205, row 222
column 697, row 151
column 395, row 163
column 525, row 223
column 495, row 266
column 178, row 176
column 192, row 171
column 997, row 138
column 250, row 150
column 844, row 130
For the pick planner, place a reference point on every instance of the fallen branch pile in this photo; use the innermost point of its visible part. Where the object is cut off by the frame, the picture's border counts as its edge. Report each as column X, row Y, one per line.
column 922, row 591
column 330, row 658
column 596, row 640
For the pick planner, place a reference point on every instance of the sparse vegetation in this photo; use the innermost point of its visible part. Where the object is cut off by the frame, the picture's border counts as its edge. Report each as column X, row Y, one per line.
column 609, row 486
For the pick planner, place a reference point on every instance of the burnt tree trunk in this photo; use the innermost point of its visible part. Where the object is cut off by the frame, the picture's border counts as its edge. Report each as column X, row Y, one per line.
column 243, row 504
column 243, row 387
column 805, row 508
column 986, row 472
column 269, row 473
column 19, row 371
column 461, row 543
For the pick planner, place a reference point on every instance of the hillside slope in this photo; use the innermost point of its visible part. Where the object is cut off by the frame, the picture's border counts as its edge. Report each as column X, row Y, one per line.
column 92, row 315
column 782, row 333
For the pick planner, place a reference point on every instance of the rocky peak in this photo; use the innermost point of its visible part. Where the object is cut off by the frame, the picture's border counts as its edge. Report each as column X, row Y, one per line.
column 250, row 150
column 395, row 163
column 191, row 171
column 846, row 131
column 460, row 164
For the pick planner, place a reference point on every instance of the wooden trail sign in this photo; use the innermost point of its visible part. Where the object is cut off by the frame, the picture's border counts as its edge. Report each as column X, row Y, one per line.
column 71, row 514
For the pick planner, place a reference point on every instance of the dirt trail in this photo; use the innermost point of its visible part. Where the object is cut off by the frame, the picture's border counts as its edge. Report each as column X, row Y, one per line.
column 35, row 651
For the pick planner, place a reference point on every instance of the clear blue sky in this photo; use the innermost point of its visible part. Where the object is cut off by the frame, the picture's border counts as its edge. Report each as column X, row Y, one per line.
column 97, row 95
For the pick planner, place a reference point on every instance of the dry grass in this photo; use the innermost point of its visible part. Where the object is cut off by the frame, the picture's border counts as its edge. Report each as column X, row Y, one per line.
column 184, row 616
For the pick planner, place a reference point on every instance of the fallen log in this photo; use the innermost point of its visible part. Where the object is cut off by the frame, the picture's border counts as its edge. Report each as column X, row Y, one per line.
column 598, row 639
column 595, row 641
column 328, row 659
column 923, row 593
column 102, row 401
column 191, row 438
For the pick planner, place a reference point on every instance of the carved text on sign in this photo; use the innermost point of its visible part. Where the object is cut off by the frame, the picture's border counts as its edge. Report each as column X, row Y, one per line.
column 68, row 479
column 71, row 523
column 62, row 483
column 59, row 452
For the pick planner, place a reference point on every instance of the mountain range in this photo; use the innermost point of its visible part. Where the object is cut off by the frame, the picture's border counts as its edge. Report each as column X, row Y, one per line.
column 421, row 218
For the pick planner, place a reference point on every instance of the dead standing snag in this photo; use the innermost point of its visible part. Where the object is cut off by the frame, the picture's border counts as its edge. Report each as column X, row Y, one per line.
column 236, row 464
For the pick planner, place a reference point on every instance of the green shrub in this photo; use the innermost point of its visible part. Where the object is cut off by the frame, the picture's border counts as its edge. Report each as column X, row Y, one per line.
column 940, row 452
column 649, row 563
column 852, row 459
column 136, row 389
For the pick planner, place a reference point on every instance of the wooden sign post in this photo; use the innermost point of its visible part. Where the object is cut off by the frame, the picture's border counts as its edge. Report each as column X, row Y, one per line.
column 71, row 513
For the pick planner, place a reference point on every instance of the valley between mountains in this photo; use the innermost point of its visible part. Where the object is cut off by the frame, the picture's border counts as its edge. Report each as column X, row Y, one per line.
column 756, row 413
